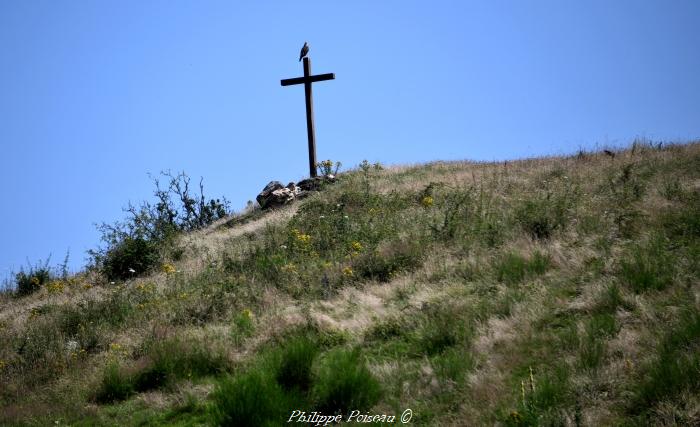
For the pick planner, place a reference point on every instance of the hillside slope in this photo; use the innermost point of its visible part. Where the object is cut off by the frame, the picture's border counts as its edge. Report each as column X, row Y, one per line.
column 549, row 291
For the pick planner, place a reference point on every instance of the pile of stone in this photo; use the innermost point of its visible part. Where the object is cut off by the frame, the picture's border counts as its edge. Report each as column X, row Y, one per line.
column 275, row 194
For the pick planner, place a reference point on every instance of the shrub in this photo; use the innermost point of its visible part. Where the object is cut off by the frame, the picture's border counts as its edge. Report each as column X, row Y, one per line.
column 297, row 357
column 344, row 383
column 137, row 254
column 132, row 244
column 33, row 279
column 541, row 216
column 249, row 399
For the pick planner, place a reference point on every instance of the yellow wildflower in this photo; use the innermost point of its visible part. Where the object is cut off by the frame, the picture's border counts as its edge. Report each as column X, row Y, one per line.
column 247, row 313
column 145, row 287
column 289, row 268
column 35, row 281
column 55, row 287
column 356, row 246
column 427, row 201
column 347, row 272
column 115, row 347
column 168, row 268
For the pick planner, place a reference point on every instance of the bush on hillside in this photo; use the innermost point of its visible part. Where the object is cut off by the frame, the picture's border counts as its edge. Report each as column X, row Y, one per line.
column 32, row 280
column 36, row 276
column 133, row 246
column 345, row 383
column 252, row 398
column 130, row 257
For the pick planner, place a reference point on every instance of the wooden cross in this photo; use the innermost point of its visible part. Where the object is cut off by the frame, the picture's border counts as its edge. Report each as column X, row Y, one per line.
column 308, row 79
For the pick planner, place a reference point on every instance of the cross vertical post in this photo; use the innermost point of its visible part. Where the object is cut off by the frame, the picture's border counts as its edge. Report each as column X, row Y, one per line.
column 310, row 130
column 308, row 80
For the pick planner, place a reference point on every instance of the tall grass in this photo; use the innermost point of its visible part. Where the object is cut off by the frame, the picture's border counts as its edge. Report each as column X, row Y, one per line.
column 676, row 367
column 648, row 266
column 344, row 383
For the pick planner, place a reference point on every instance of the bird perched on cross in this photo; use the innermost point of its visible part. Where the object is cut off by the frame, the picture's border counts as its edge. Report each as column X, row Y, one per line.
column 304, row 51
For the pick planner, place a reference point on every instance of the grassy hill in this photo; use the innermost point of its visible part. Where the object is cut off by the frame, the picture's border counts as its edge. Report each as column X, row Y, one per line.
column 548, row 291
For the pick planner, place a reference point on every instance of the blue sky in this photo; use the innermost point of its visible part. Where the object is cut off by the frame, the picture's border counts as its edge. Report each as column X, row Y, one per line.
column 96, row 94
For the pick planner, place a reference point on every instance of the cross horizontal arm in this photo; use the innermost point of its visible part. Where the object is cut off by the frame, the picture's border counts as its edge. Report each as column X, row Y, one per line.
column 310, row 79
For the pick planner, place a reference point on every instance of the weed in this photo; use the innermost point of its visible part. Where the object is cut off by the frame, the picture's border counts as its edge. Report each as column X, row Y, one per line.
column 326, row 167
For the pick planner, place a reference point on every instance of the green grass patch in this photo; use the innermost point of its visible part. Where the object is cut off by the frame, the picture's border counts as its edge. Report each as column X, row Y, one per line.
column 512, row 268
column 675, row 369
column 296, row 359
column 541, row 400
column 163, row 364
column 648, row 267
column 252, row 398
column 117, row 384
column 344, row 383
column 593, row 344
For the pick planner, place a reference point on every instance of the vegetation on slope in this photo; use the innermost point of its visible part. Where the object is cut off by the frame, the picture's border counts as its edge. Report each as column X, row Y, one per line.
column 554, row 291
